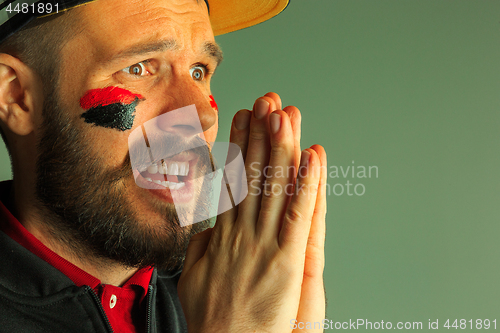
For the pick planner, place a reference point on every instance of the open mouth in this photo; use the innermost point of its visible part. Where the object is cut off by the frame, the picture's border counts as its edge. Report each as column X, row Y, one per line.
column 173, row 178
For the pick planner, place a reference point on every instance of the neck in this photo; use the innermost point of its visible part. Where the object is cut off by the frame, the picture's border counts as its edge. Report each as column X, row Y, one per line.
column 35, row 221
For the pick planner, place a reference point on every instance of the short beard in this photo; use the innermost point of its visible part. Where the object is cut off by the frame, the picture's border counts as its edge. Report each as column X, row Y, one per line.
column 84, row 205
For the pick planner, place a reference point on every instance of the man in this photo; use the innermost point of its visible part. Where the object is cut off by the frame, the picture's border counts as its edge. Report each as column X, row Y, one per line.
column 80, row 238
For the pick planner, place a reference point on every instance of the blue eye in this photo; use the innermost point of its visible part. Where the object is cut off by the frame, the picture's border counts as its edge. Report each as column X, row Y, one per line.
column 198, row 73
column 136, row 69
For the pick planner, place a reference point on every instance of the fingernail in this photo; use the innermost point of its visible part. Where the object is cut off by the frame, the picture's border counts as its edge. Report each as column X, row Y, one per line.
column 261, row 108
column 304, row 158
column 241, row 120
column 275, row 122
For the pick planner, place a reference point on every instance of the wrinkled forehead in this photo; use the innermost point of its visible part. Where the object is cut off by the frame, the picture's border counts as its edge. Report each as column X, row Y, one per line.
column 110, row 26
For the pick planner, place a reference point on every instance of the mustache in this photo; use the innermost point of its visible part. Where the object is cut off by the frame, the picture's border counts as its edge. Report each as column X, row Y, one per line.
column 154, row 148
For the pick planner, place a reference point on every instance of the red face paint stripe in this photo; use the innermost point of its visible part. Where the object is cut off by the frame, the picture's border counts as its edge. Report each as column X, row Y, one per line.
column 106, row 96
column 213, row 104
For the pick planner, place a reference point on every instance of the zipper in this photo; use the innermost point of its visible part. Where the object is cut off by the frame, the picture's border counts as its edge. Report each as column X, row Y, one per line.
column 149, row 308
column 99, row 306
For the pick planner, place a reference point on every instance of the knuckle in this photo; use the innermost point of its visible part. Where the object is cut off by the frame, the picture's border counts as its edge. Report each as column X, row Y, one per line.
column 257, row 136
column 272, row 191
column 277, row 189
column 319, row 211
column 294, row 215
column 278, row 149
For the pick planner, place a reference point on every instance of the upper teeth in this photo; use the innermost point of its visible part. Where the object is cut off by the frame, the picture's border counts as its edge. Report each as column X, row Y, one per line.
column 170, row 185
column 170, row 168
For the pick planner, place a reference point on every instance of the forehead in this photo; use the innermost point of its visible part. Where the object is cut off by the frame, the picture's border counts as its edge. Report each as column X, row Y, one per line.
column 110, row 27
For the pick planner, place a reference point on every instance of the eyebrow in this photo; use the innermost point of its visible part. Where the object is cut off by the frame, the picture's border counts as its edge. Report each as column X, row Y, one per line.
column 144, row 48
column 209, row 48
column 214, row 51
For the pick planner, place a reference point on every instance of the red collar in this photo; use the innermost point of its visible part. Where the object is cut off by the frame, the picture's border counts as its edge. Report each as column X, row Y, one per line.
column 131, row 295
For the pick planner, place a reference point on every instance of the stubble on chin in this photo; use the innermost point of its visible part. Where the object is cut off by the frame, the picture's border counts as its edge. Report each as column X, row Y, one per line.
column 87, row 208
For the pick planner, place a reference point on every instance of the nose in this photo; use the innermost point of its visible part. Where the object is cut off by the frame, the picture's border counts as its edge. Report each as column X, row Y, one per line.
column 191, row 112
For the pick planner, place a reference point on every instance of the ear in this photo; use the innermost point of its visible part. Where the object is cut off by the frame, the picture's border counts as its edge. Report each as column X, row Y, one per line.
column 21, row 95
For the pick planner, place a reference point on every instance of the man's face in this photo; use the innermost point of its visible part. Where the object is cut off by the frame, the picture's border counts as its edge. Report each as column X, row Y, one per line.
column 160, row 50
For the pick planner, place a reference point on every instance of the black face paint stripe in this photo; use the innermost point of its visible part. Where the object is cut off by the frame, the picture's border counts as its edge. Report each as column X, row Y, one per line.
column 116, row 116
column 110, row 107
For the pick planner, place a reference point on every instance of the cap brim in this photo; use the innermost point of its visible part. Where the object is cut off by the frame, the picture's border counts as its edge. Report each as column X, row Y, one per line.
column 231, row 15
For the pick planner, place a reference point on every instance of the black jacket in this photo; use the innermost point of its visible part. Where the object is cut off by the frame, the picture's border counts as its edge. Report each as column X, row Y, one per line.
column 35, row 297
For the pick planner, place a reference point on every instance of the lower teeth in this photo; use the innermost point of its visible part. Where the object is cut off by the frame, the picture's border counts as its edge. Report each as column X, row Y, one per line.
column 167, row 184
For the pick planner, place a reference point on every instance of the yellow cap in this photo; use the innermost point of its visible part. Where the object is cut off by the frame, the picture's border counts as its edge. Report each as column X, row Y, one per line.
column 232, row 15
column 225, row 15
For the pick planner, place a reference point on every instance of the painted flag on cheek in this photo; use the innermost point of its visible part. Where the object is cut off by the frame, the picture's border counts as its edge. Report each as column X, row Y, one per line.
column 110, row 107
column 213, row 104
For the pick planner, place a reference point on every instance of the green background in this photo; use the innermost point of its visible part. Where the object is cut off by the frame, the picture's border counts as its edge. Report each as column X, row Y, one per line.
column 411, row 87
